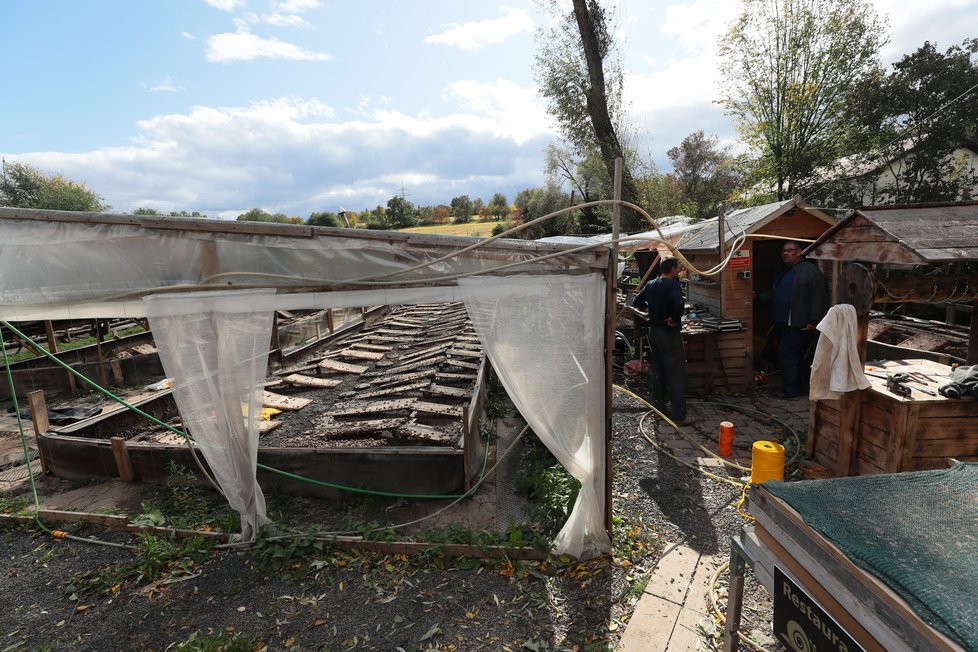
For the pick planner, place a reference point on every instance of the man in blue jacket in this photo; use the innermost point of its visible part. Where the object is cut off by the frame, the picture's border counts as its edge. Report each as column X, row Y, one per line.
column 800, row 300
column 663, row 299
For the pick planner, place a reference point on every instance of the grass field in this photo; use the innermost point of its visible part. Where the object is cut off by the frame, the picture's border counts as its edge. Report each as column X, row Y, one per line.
column 478, row 229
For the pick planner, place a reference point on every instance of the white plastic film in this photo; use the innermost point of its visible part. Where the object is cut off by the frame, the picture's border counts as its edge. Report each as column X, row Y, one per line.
column 215, row 346
column 545, row 338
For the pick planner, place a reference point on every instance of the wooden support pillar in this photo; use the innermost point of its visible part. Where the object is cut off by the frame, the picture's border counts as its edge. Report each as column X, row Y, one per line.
column 276, row 343
column 49, row 333
column 122, row 460
column 39, row 411
column 116, row 367
column 329, row 320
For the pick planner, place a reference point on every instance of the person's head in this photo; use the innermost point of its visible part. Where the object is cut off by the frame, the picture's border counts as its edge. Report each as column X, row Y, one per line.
column 669, row 267
column 791, row 252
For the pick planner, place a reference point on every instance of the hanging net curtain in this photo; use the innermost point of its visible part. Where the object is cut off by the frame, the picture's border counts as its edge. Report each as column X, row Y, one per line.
column 545, row 338
column 215, row 347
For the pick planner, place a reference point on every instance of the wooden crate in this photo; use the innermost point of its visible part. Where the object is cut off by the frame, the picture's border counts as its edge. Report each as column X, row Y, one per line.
column 877, row 431
column 716, row 361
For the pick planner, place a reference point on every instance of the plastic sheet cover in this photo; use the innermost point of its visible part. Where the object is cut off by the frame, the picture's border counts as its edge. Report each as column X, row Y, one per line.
column 545, row 336
column 216, row 348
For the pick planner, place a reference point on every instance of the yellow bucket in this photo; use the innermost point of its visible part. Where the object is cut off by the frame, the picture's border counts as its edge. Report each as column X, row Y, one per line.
column 766, row 462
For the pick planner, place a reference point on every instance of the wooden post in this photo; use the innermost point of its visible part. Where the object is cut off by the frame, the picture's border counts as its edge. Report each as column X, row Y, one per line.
column 122, row 460
column 39, row 411
column 116, row 367
column 329, row 320
column 276, row 343
column 72, row 383
column 103, row 376
column 609, row 346
column 49, row 333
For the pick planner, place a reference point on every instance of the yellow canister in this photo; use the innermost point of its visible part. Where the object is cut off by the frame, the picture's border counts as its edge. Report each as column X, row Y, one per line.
column 766, row 462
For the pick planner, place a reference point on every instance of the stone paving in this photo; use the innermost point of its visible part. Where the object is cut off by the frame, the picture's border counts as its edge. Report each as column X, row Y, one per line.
column 675, row 601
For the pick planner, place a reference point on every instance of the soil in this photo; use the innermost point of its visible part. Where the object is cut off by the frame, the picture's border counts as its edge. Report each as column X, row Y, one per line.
column 70, row 594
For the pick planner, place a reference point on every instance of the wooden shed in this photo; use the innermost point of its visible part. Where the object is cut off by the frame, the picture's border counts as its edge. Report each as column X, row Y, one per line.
column 750, row 273
column 900, row 254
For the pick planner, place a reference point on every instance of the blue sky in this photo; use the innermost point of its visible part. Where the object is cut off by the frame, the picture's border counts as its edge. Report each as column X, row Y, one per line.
column 296, row 106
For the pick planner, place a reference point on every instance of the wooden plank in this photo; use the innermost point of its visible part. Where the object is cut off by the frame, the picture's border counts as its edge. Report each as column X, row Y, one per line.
column 447, row 377
column 443, row 390
column 39, row 411
column 438, row 408
column 361, row 355
column 372, row 427
column 122, row 460
column 265, row 427
column 309, row 381
column 371, row 347
column 356, row 408
column 459, row 363
column 395, row 378
column 420, row 432
column 341, row 367
column 396, row 389
column 280, row 402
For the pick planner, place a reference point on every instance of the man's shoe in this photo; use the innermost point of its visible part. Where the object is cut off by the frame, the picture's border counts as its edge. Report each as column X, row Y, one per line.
column 688, row 421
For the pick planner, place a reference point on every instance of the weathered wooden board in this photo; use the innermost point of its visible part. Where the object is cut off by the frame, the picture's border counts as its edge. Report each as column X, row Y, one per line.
column 372, row 347
column 356, row 354
column 370, row 427
column 295, row 370
column 462, row 364
column 390, row 379
column 448, row 377
column 426, row 364
column 265, row 427
column 443, row 390
column 359, row 407
column 395, row 389
column 437, row 408
column 310, row 381
column 341, row 367
column 280, row 402
column 463, row 353
column 421, row 432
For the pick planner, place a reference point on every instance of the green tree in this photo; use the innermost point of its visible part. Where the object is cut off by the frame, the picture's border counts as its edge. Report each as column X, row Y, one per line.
column 325, row 218
column 461, row 209
column 705, row 173
column 588, row 179
column 498, row 206
column 24, row 186
column 543, row 201
column 788, row 68
column 259, row 215
column 401, row 213
column 377, row 219
column 909, row 123
column 579, row 71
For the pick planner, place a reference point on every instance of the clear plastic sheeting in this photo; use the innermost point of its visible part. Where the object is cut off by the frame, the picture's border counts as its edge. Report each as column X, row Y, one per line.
column 215, row 346
column 71, row 266
column 544, row 336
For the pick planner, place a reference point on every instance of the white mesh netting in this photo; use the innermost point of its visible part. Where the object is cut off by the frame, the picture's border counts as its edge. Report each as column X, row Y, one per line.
column 216, row 348
column 544, row 336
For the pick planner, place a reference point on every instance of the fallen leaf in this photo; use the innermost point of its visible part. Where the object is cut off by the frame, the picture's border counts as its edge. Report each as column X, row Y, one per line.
column 319, row 622
column 290, row 641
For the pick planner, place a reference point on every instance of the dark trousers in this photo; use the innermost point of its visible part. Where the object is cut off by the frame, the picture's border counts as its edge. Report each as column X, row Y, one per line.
column 793, row 345
column 668, row 372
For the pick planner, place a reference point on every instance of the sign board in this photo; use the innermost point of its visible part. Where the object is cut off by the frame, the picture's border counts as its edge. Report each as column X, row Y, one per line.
column 740, row 259
column 801, row 625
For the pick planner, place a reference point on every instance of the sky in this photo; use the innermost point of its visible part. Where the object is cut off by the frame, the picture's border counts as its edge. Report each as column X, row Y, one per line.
column 298, row 106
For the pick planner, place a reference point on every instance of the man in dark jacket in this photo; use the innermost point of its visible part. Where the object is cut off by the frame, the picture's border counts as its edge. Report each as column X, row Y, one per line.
column 663, row 299
column 800, row 300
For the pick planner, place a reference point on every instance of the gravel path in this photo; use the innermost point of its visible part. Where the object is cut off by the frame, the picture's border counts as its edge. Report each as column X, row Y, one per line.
column 62, row 595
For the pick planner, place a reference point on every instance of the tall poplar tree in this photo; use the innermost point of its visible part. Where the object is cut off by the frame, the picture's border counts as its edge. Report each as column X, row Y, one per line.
column 788, row 68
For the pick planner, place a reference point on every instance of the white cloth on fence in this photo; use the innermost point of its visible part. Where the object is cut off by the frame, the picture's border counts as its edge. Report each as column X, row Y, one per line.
column 837, row 368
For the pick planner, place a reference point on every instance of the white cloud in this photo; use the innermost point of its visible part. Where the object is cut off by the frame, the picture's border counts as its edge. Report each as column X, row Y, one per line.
column 225, row 5
column 478, row 34
column 164, row 85
column 293, row 155
column 188, row 36
column 295, row 6
column 244, row 46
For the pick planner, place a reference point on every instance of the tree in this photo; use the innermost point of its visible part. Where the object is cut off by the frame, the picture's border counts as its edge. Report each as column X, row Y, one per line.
column 704, row 173
column 909, row 123
column 259, row 215
column 788, row 68
column 579, row 73
column 325, row 218
column 588, row 177
column 461, row 209
column 498, row 206
column 543, row 201
column 401, row 213
column 24, row 186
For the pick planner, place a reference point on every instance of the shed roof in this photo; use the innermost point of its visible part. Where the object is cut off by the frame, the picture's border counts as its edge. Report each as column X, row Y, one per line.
column 904, row 234
column 741, row 221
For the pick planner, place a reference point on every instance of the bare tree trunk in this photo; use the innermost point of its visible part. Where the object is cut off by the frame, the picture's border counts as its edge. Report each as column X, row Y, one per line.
column 597, row 107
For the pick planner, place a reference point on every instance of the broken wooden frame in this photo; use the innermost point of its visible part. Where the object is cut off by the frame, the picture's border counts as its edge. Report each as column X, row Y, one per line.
column 107, row 263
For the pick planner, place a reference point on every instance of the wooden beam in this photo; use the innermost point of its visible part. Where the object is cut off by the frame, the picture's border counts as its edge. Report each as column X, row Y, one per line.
column 122, row 460
column 39, row 411
column 49, row 333
column 972, row 356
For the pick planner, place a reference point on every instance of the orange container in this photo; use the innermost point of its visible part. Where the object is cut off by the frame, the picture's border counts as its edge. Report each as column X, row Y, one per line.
column 725, row 447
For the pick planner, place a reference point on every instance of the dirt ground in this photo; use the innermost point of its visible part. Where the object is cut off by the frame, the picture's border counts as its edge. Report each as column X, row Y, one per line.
column 299, row 595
